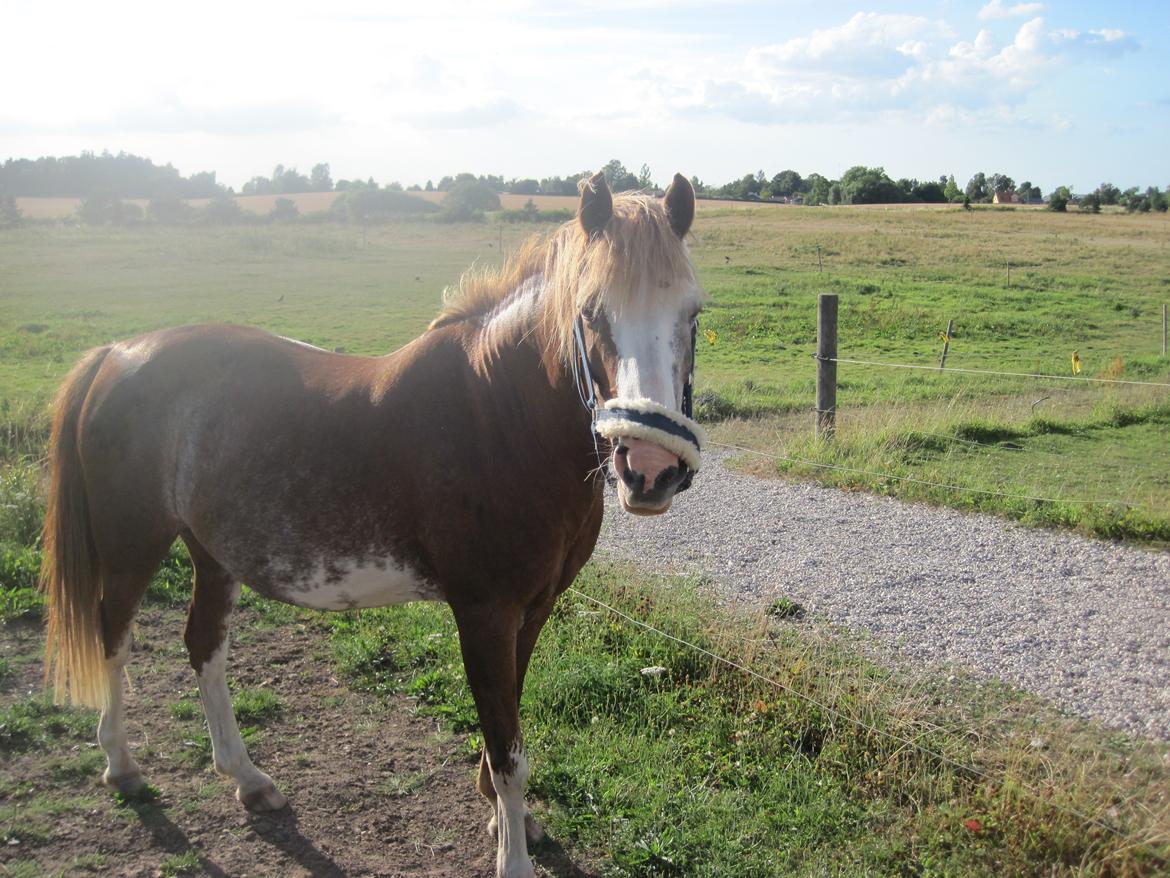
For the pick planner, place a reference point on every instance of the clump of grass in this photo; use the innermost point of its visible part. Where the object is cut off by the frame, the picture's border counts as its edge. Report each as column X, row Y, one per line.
column 256, row 705
column 186, row 863
column 22, row 507
column 825, row 763
column 36, row 722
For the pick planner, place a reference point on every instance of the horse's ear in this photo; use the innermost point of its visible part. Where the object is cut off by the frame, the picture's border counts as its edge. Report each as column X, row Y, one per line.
column 596, row 204
column 680, row 204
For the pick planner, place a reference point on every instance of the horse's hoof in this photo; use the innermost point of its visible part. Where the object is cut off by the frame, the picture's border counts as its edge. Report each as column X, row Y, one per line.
column 265, row 798
column 129, row 784
column 493, row 827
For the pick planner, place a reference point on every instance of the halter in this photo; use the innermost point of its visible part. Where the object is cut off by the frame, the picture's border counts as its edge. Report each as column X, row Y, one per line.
column 642, row 418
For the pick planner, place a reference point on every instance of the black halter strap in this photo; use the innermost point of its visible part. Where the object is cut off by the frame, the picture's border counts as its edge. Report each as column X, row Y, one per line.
column 585, row 384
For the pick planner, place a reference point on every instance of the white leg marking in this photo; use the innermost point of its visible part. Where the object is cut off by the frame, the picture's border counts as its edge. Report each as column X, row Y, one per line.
column 254, row 789
column 512, row 853
column 122, row 771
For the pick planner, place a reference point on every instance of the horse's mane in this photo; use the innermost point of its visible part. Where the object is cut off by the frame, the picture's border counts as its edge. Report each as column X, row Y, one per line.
column 636, row 255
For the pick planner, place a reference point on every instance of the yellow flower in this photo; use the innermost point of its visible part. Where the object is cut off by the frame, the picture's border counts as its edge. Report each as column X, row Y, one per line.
column 709, row 335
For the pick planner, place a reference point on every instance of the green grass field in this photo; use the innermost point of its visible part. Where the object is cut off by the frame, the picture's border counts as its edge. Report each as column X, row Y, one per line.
column 1093, row 284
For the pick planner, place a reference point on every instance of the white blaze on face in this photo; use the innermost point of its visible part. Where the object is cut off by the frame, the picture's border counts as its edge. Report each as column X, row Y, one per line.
column 648, row 336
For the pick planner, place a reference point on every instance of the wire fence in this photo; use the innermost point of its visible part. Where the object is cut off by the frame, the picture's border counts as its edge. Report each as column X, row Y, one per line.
column 1036, row 375
column 972, row 770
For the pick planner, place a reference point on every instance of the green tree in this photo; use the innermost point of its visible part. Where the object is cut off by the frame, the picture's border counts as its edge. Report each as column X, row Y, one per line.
column 468, row 199
column 1000, row 183
column 1090, row 203
column 101, row 208
column 319, row 179
column 951, row 190
column 787, row 183
column 862, row 185
column 10, row 214
column 222, row 210
column 977, row 188
column 644, row 180
column 1108, row 193
column 817, row 189
column 257, row 186
column 169, row 210
column 619, row 179
column 284, row 210
column 1059, row 199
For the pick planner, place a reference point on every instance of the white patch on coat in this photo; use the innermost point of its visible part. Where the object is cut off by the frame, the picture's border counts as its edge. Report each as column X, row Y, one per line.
column 351, row 584
column 303, row 344
column 516, row 311
column 512, row 858
column 130, row 357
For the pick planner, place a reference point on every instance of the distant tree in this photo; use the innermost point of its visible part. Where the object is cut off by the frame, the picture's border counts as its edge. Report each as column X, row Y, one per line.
column 619, row 179
column 222, row 210
column 836, row 193
column 929, row 193
column 468, row 199
column 1000, row 183
column 817, row 189
column 977, row 189
column 951, row 190
column 394, row 186
column 288, row 181
column 1159, row 200
column 524, row 187
column 1090, row 203
column 414, row 187
column 284, row 210
column 258, row 186
column 10, row 214
column 319, row 179
column 644, row 180
column 101, row 208
column 169, row 210
column 787, row 183
column 862, row 185
column 701, row 188
column 1108, row 193
column 430, row 187
column 1059, row 199
column 363, row 204
column 1027, row 193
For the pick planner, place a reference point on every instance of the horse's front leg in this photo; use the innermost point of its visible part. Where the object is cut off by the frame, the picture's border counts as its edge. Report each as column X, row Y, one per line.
column 487, row 636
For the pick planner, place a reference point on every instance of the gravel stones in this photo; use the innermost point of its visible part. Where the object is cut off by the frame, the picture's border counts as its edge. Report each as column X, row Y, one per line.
column 1082, row 622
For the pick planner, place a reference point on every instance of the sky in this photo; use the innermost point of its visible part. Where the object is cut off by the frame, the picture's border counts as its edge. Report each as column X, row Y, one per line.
column 1056, row 93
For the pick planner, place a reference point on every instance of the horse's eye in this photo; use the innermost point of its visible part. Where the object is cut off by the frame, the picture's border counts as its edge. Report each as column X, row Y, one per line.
column 589, row 315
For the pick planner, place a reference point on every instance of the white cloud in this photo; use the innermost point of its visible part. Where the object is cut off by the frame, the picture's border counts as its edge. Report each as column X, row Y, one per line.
column 996, row 10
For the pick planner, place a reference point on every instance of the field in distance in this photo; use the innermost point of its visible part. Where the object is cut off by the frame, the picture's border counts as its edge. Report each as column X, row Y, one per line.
column 1025, row 288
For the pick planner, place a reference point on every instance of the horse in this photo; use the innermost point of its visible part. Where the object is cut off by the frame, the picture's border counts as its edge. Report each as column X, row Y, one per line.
column 469, row 467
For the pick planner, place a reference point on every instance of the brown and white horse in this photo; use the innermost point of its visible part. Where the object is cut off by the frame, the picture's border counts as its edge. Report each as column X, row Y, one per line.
column 461, row 468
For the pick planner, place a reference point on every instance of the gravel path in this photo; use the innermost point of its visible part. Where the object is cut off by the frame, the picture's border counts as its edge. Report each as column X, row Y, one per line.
column 1084, row 623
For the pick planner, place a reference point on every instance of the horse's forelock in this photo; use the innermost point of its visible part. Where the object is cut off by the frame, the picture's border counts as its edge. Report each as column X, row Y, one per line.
column 638, row 254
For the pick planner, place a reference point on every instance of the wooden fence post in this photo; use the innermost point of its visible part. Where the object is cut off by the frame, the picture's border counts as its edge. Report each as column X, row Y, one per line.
column 946, row 343
column 1164, row 329
column 826, row 421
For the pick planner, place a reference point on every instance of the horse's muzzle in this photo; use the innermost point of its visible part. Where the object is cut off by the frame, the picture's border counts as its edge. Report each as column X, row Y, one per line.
column 648, row 476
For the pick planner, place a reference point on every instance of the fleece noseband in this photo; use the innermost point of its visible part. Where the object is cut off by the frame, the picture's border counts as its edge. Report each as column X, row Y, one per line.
column 643, row 418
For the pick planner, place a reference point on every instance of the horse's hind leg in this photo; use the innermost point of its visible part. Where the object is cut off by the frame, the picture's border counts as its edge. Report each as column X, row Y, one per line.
column 121, row 596
column 216, row 593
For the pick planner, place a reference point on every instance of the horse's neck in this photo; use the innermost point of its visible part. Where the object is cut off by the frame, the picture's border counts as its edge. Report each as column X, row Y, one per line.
column 513, row 343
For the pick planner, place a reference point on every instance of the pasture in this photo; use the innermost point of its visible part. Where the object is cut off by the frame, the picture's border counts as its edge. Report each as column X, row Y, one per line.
column 696, row 770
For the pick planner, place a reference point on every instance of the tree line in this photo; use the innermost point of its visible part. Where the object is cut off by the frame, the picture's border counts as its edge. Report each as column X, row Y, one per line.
column 105, row 179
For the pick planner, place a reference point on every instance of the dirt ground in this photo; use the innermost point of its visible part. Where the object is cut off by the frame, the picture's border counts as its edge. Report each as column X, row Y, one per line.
column 374, row 790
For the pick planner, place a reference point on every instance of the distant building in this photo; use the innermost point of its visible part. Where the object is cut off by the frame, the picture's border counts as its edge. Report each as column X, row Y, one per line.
column 1005, row 196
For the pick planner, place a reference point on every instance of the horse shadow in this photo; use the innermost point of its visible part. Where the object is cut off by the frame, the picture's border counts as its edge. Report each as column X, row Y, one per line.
column 280, row 830
column 166, row 834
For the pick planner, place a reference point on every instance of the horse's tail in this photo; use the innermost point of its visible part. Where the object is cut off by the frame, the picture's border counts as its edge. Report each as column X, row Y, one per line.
column 74, row 652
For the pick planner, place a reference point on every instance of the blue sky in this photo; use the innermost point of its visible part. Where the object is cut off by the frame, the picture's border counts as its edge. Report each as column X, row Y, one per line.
column 1053, row 92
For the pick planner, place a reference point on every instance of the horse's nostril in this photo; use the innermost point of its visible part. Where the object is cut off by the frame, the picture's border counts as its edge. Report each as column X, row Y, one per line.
column 630, row 477
column 665, row 478
column 621, row 450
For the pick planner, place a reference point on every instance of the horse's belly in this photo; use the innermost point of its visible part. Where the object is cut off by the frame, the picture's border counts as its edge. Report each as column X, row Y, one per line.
column 350, row 584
